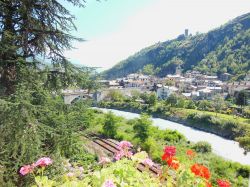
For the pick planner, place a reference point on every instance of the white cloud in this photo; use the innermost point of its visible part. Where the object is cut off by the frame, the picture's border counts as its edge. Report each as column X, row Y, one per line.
column 163, row 20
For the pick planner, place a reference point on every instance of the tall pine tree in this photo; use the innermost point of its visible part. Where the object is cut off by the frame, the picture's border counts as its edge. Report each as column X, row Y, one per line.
column 30, row 29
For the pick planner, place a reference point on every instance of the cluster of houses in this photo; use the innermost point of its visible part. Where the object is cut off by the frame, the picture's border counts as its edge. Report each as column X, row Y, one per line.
column 192, row 84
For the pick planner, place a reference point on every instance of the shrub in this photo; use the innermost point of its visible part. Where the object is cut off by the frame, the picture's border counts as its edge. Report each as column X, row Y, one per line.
column 173, row 136
column 83, row 158
column 245, row 142
column 141, row 127
column 110, row 125
column 244, row 171
column 204, row 105
column 191, row 105
column 202, row 147
column 150, row 145
column 115, row 95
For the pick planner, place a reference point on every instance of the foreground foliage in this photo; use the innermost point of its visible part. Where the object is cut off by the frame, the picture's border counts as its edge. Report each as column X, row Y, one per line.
column 123, row 172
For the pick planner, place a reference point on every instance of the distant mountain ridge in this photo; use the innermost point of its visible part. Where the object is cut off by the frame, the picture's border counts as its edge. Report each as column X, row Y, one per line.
column 222, row 50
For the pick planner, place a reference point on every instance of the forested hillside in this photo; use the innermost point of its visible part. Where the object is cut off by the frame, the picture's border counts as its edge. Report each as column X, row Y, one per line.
column 225, row 49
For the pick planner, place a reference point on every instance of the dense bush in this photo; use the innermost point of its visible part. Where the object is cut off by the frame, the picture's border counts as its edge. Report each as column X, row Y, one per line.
column 173, row 136
column 202, row 147
column 245, row 141
column 110, row 125
column 141, row 127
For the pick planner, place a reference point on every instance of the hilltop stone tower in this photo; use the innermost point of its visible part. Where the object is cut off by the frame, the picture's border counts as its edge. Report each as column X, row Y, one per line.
column 186, row 32
column 178, row 70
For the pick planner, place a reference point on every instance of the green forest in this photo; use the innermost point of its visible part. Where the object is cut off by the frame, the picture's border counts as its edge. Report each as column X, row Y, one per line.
column 222, row 50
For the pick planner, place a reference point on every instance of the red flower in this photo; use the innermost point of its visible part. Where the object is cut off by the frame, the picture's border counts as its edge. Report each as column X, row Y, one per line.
column 208, row 184
column 223, row 183
column 201, row 171
column 173, row 163
column 169, row 151
column 190, row 153
column 164, row 157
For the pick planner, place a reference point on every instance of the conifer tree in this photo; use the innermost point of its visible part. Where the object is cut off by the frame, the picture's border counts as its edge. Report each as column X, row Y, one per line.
column 30, row 29
column 33, row 121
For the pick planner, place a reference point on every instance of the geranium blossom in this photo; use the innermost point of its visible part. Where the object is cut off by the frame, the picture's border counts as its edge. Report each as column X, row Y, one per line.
column 190, row 153
column 169, row 151
column 208, row 184
column 148, row 162
column 119, row 155
column 125, row 145
column 123, row 153
column 200, row 170
column 173, row 163
column 26, row 169
column 44, row 161
column 108, row 183
column 223, row 183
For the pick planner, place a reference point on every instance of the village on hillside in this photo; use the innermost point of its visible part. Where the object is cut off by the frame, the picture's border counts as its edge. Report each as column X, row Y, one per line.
column 191, row 84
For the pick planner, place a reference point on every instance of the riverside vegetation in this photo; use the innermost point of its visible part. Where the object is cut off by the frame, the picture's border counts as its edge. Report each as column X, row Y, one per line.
column 212, row 116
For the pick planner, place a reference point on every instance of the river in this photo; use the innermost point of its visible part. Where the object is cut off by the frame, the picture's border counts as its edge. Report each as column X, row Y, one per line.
column 225, row 148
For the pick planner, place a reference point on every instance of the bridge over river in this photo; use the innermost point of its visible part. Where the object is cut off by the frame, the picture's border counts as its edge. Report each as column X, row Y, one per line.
column 71, row 96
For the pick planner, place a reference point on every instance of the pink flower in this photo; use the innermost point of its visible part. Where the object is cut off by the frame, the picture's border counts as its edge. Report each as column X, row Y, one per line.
column 70, row 174
column 125, row 145
column 26, row 169
column 123, row 153
column 108, row 183
column 148, row 162
column 128, row 154
column 104, row 160
column 44, row 161
column 81, row 169
column 119, row 155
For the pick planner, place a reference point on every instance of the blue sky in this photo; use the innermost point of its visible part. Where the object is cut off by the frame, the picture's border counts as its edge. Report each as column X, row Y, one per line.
column 100, row 18
column 116, row 29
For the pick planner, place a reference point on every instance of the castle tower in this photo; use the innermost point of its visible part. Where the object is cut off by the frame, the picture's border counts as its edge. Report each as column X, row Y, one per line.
column 186, row 32
column 178, row 70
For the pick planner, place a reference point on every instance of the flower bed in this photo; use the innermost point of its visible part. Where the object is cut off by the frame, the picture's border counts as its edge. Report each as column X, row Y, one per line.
column 121, row 171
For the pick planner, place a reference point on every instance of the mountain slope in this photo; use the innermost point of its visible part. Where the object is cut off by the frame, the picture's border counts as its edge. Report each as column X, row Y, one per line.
column 225, row 49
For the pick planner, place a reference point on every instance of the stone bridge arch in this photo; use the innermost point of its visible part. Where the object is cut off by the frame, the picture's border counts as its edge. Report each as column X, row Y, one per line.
column 70, row 97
